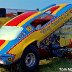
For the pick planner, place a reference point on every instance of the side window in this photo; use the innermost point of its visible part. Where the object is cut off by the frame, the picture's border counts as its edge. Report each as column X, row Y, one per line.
column 41, row 20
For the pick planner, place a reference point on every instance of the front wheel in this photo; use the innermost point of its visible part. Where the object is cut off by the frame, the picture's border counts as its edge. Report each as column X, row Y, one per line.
column 29, row 60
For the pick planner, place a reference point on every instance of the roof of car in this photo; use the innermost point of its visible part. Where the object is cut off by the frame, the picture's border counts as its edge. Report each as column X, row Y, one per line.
column 15, row 21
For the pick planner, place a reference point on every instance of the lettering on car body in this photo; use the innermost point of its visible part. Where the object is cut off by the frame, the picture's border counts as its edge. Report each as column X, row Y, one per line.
column 61, row 18
column 29, row 28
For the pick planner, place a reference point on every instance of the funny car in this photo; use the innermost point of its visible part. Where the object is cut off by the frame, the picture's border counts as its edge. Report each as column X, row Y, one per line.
column 35, row 35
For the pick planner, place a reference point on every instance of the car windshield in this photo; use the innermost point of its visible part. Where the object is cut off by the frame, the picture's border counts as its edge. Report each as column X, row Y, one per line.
column 9, row 32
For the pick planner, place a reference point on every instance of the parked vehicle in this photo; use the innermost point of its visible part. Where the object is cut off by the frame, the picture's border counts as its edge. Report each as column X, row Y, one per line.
column 35, row 35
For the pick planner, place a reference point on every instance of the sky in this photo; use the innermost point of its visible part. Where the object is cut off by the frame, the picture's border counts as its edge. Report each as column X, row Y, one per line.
column 30, row 4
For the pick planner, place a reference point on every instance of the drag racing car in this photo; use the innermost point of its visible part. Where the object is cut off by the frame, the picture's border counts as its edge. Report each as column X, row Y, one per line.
column 35, row 35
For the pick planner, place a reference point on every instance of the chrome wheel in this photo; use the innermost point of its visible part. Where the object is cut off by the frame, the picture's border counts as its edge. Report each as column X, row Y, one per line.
column 30, row 59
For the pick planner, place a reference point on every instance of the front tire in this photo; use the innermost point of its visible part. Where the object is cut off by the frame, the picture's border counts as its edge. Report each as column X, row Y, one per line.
column 29, row 60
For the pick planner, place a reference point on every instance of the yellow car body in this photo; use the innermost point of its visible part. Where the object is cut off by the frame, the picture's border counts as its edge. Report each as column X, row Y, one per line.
column 29, row 34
